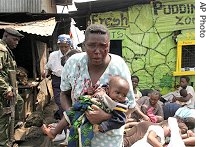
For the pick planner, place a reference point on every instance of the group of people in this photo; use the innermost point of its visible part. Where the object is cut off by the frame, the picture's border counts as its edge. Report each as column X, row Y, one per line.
column 85, row 99
column 155, row 109
column 97, row 98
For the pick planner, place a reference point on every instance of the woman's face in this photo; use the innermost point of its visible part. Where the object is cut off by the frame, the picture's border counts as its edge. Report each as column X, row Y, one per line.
column 97, row 48
column 64, row 47
column 153, row 99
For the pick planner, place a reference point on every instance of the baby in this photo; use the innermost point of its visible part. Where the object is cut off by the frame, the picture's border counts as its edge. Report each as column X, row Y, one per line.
column 111, row 98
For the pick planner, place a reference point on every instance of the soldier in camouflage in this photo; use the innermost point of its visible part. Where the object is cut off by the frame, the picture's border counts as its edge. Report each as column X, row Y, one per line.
column 9, row 41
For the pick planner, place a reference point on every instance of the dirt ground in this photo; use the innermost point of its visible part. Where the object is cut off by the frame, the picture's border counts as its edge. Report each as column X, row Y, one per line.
column 33, row 136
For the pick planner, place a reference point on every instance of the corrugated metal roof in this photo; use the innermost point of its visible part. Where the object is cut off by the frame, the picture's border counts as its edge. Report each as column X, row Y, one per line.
column 41, row 27
column 33, row 6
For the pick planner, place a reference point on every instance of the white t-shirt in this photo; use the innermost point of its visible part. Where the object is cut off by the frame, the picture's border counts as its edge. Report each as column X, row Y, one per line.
column 191, row 102
column 54, row 63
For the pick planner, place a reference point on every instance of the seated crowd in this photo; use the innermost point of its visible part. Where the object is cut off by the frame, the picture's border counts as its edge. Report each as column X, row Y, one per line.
column 156, row 121
column 152, row 122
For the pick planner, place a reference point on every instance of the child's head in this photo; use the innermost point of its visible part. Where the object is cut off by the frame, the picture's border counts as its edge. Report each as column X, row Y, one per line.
column 135, row 81
column 183, row 92
column 183, row 127
column 190, row 122
column 118, row 88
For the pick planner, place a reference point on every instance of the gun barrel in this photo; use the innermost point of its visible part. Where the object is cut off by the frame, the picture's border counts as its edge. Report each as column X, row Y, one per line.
column 12, row 76
column 13, row 83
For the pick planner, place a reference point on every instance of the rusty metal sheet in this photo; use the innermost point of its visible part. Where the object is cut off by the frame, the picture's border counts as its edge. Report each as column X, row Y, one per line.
column 40, row 27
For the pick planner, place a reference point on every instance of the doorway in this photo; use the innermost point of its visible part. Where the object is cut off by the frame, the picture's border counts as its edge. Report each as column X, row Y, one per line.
column 116, row 47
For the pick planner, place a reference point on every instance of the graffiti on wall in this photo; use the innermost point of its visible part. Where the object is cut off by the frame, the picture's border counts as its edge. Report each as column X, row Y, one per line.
column 117, row 34
column 149, row 52
column 110, row 19
column 178, row 15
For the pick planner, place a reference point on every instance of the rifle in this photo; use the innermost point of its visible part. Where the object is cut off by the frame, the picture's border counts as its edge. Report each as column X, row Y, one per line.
column 13, row 82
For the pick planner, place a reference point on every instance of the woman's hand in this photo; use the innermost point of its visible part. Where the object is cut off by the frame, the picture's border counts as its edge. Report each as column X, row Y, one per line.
column 99, row 92
column 97, row 115
column 146, row 118
column 90, row 90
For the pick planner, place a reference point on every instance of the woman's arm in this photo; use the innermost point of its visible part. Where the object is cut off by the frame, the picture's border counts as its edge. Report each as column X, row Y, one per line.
column 65, row 98
column 140, row 113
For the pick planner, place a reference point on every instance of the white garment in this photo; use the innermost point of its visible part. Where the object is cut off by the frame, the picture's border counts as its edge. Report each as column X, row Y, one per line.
column 175, row 140
column 138, row 94
column 143, row 142
column 191, row 102
column 184, row 112
column 54, row 63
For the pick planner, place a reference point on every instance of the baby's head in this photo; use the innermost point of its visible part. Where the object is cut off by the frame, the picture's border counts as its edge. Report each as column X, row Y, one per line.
column 183, row 92
column 167, row 128
column 118, row 88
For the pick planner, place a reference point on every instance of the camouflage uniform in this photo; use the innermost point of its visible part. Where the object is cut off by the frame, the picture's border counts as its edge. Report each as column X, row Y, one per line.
column 6, row 63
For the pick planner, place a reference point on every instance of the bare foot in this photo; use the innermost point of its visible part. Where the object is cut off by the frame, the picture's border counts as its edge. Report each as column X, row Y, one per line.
column 47, row 130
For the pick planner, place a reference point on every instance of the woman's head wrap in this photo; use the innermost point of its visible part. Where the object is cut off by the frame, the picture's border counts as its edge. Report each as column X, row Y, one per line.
column 65, row 38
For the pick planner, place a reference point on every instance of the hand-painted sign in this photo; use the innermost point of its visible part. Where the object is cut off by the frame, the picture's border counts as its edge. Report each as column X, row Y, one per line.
column 110, row 19
column 117, row 34
column 176, row 15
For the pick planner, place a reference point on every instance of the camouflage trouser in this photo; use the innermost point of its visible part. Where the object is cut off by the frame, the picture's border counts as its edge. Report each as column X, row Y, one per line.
column 19, row 108
column 4, row 120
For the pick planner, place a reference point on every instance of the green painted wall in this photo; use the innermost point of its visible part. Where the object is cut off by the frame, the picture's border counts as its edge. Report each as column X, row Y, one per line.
column 148, row 48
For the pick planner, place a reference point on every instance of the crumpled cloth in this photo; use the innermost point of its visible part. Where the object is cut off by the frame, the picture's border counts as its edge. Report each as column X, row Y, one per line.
column 151, row 115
